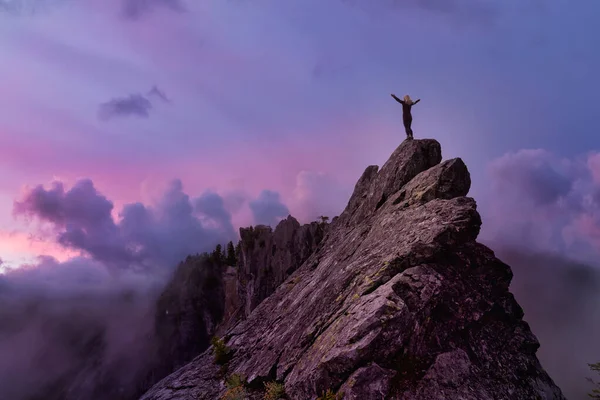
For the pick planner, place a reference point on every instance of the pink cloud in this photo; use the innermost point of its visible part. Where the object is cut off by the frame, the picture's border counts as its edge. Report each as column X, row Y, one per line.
column 585, row 227
column 544, row 203
column 594, row 166
column 17, row 246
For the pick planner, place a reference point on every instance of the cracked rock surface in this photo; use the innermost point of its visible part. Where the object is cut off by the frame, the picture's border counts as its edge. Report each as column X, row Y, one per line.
column 398, row 301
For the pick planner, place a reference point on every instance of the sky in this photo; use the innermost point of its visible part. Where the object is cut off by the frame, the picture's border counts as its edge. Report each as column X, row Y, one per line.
column 134, row 132
column 292, row 98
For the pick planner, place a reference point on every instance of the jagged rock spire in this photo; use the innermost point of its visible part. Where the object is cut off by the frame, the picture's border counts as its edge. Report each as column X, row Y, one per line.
column 376, row 186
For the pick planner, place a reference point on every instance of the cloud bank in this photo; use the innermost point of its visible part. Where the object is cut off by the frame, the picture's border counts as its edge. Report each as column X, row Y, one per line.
column 541, row 214
column 81, row 219
column 74, row 320
column 91, row 319
column 545, row 203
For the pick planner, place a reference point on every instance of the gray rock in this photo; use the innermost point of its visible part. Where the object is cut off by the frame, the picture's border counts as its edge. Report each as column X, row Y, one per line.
column 399, row 301
column 444, row 181
column 268, row 257
column 374, row 188
column 187, row 313
column 368, row 383
column 231, row 283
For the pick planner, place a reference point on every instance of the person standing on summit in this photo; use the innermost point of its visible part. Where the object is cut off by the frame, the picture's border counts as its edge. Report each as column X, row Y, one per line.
column 407, row 104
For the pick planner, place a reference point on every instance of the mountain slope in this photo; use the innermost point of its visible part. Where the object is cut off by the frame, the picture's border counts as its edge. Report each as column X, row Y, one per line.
column 398, row 301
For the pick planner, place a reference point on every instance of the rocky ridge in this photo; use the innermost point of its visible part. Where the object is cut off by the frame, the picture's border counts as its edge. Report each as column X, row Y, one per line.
column 398, row 301
column 267, row 258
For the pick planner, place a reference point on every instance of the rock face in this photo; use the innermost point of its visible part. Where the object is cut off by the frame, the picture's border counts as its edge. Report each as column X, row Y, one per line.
column 233, row 309
column 398, row 302
column 267, row 258
column 205, row 297
column 188, row 312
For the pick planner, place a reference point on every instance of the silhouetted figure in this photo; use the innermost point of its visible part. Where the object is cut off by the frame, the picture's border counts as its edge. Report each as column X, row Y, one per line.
column 407, row 104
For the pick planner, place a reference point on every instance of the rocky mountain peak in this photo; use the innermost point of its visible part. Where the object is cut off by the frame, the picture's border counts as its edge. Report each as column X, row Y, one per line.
column 398, row 301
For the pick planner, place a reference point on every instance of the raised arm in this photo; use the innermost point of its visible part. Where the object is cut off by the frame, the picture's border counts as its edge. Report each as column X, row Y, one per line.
column 418, row 100
column 397, row 99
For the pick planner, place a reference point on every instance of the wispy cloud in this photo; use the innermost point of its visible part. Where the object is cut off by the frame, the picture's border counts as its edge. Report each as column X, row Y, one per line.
column 135, row 9
column 134, row 105
column 27, row 7
column 155, row 91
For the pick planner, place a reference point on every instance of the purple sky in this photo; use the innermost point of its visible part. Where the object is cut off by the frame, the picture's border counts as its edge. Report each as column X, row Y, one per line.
column 285, row 103
column 135, row 132
column 236, row 97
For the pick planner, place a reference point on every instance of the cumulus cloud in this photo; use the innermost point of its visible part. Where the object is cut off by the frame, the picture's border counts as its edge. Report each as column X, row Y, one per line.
column 316, row 194
column 212, row 206
column 235, row 200
column 134, row 105
column 268, row 209
column 135, row 9
column 544, row 202
column 537, row 173
column 144, row 236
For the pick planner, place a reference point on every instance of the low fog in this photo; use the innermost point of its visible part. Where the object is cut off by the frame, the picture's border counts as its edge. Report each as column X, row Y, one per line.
column 85, row 328
column 75, row 331
column 561, row 301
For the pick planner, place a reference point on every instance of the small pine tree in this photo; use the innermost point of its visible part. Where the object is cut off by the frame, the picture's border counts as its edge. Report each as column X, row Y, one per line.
column 222, row 353
column 231, row 259
column 217, row 254
column 595, row 393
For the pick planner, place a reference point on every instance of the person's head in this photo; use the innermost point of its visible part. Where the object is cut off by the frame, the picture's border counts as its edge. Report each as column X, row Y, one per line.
column 407, row 99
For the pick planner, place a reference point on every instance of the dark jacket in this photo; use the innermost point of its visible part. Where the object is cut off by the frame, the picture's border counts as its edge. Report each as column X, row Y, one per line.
column 406, row 115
